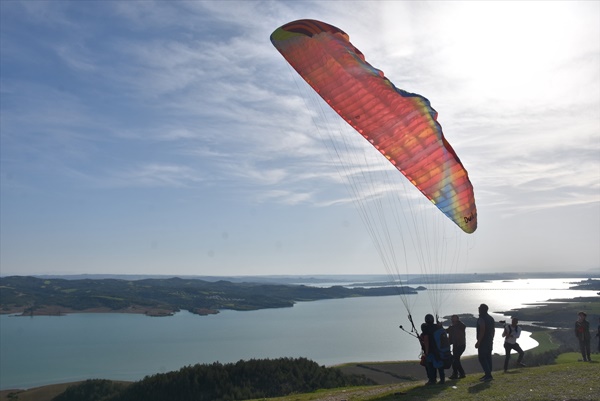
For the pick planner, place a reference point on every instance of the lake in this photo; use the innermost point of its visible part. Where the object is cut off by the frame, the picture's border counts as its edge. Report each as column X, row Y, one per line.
column 49, row 349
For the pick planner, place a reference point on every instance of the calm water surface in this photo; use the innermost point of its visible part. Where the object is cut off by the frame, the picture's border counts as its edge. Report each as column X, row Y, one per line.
column 48, row 349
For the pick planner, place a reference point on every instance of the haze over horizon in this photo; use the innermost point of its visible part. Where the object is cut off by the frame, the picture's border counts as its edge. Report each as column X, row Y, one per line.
column 171, row 138
column 583, row 274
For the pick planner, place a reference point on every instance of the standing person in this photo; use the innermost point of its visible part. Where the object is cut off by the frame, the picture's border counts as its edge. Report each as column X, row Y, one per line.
column 485, row 342
column 432, row 364
column 598, row 335
column 582, row 332
column 456, row 335
column 511, row 333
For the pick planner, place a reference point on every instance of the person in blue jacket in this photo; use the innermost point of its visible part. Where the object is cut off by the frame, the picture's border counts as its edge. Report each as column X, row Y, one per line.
column 433, row 365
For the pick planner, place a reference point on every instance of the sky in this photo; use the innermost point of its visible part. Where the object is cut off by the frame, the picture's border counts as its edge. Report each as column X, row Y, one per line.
column 142, row 137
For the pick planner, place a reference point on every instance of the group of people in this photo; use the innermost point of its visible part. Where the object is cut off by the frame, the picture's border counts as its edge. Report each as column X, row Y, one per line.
column 457, row 338
column 485, row 330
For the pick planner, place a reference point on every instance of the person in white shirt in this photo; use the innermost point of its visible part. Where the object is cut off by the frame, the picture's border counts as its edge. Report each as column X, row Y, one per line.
column 511, row 333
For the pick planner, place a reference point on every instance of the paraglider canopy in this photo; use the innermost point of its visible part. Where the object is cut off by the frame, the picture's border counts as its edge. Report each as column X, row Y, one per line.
column 402, row 126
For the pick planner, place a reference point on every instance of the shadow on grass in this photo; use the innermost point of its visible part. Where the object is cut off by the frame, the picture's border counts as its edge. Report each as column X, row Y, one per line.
column 479, row 387
column 422, row 392
column 512, row 372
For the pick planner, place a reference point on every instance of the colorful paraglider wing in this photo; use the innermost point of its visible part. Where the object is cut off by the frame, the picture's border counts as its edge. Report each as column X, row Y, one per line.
column 401, row 125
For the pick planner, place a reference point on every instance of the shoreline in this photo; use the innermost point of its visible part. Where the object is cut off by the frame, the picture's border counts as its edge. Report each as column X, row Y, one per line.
column 161, row 309
column 55, row 310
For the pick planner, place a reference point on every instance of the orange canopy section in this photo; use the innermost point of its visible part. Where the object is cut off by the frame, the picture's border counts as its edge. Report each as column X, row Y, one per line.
column 401, row 125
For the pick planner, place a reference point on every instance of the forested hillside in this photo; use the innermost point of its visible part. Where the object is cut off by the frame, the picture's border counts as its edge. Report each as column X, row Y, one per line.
column 219, row 382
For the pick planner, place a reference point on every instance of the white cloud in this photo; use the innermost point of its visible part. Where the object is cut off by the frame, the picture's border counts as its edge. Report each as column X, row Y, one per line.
column 160, row 175
column 192, row 95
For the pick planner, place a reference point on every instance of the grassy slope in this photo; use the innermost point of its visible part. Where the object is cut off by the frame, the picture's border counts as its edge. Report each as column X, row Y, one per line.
column 567, row 380
column 44, row 393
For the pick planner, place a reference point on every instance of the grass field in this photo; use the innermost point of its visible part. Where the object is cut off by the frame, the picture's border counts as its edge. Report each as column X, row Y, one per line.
column 45, row 393
column 566, row 380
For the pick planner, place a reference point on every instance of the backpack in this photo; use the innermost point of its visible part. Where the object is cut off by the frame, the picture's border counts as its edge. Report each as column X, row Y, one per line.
column 442, row 348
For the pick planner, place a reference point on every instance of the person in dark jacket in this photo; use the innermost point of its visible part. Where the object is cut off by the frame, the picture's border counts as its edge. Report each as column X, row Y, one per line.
column 456, row 335
column 433, row 365
column 582, row 332
column 598, row 335
column 485, row 342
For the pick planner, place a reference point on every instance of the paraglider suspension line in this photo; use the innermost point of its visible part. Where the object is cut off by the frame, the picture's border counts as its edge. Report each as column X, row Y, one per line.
column 413, row 332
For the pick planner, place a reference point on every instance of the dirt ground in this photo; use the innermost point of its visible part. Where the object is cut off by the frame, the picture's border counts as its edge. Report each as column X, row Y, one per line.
column 398, row 372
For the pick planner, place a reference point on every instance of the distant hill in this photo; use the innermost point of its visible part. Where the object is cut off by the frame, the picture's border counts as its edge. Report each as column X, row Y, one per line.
column 334, row 278
column 33, row 295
